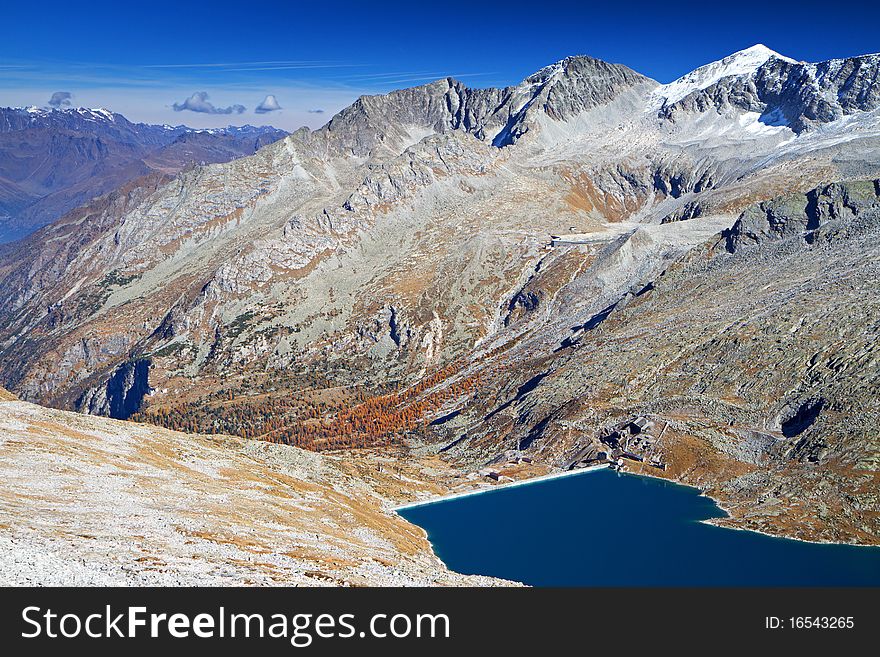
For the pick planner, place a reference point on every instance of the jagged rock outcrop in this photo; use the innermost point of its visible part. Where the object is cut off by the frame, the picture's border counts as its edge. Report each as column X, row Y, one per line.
column 121, row 395
column 803, row 215
column 805, row 95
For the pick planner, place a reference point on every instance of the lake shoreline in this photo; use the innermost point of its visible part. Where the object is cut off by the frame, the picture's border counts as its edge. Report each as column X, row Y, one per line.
column 714, row 522
column 490, row 519
column 489, row 489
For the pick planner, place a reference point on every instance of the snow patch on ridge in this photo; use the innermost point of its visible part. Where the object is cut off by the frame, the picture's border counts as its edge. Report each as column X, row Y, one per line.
column 744, row 62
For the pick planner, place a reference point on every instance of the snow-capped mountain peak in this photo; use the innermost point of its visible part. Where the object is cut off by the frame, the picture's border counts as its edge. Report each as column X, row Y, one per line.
column 87, row 113
column 743, row 62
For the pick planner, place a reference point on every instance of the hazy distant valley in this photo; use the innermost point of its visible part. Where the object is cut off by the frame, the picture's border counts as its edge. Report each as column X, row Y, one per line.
column 448, row 280
column 54, row 160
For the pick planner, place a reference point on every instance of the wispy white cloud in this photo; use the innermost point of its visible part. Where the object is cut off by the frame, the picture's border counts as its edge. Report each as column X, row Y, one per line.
column 398, row 78
column 226, row 64
column 292, row 67
column 399, row 74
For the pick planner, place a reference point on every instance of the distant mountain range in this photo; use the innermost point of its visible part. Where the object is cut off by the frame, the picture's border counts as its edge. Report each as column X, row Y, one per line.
column 52, row 161
column 485, row 274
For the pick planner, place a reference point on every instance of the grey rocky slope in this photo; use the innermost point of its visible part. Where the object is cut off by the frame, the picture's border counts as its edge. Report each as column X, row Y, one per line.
column 413, row 231
column 52, row 161
column 754, row 353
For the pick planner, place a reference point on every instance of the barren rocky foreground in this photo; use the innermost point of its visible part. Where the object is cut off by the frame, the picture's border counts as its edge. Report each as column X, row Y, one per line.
column 89, row 501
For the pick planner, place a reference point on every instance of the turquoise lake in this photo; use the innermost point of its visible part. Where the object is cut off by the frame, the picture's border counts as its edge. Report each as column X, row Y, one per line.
column 609, row 529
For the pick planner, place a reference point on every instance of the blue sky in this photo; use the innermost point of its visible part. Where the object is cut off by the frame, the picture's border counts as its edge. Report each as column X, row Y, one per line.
column 316, row 57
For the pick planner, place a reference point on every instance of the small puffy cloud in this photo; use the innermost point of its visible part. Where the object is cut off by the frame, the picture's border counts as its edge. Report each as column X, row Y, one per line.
column 316, row 111
column 198, row 102
column 60, row 99
column 269, row 104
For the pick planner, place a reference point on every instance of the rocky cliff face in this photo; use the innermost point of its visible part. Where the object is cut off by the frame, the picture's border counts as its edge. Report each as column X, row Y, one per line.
column 808, row 216
column 123, row 393
column 538, row 262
